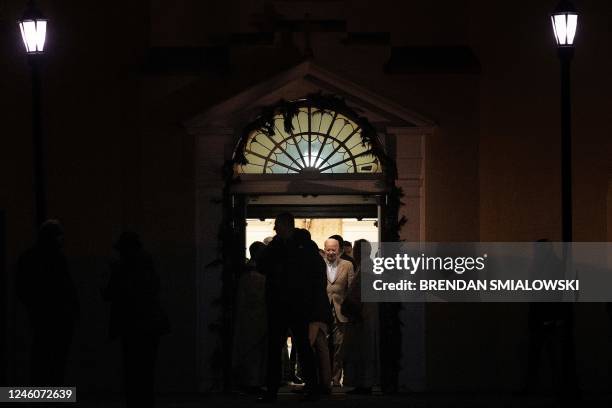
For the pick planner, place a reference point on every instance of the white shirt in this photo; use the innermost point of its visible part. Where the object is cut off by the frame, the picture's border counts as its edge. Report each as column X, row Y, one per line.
column 332, row 269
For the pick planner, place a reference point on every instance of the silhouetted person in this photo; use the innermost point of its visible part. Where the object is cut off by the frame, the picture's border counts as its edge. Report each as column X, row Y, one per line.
column 362, row 343
column 46, row 288
column 318, row 332
column 347, row 249
column 551, row 327
column 136, row 317
column 294, row 290
column 250, row 341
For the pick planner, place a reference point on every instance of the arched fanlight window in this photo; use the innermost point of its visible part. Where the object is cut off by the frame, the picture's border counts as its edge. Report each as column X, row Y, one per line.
column 322, row 141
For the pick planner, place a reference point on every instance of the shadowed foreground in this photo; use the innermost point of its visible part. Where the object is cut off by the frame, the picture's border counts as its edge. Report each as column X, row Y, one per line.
column 421, row 400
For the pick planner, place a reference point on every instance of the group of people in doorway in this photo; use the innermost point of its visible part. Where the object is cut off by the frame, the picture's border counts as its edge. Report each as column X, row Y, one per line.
column 290, row 288
column 293, row 289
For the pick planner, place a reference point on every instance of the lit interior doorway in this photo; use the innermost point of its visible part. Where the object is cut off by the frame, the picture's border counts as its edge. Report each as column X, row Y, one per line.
column 353, row 216
column 350, row 216
column 351, row 229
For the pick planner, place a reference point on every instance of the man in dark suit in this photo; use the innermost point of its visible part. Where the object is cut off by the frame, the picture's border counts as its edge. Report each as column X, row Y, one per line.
column 296, row 300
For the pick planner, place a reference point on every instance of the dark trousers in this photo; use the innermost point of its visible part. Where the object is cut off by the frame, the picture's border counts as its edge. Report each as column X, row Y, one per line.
column 139, row 355
column 49, row 353
column 557, row 340
column 277, row 335
column 322, row 355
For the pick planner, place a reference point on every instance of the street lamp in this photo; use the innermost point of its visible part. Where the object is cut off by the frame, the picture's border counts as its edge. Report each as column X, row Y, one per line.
column 564, row 23
column 33, row 26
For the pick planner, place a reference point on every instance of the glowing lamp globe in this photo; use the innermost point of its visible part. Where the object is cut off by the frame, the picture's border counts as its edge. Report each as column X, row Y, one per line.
column 564, row 23
column 33, row 26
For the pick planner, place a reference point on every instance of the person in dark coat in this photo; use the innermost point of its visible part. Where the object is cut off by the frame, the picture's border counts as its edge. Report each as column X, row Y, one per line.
column 362, row 344
column 295, row 299
column 250, row 342
column 318, row 332
column 46, row 288
column 136, row 317
column 551, row 327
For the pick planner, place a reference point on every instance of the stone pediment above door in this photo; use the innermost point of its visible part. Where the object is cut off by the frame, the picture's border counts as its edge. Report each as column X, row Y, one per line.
column 304, row 79
column 399, row 135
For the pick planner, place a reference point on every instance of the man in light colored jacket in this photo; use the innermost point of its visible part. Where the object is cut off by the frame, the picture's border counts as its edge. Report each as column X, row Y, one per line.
column 340, row 274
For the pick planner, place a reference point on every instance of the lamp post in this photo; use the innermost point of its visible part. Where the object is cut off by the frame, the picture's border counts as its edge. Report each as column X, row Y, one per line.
column 33, row 26
column 564, row 23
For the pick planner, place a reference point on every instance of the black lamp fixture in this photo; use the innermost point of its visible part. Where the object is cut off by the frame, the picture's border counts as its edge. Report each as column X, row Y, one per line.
column 564, row 23
column 33, row 26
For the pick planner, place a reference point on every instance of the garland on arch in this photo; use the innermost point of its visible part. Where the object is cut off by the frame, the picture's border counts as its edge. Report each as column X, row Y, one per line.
column 288, row 110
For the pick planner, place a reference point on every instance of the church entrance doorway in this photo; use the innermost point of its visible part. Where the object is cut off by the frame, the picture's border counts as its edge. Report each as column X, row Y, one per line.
column 352, row 217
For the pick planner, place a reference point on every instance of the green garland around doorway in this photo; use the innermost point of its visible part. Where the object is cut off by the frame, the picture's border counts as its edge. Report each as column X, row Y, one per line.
column 226, row 252
column 221, row 358
column 324, row 103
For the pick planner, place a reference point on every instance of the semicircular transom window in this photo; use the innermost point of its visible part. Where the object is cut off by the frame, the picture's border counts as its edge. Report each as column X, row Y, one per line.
column 322, row 141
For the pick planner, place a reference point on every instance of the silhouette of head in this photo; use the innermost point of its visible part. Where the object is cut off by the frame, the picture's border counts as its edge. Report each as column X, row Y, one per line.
column 301, row 235
column 51, row 234
column 332, row 250
column 284, row 225
column 362, row 250
column 347, row 248
column 255, row 249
